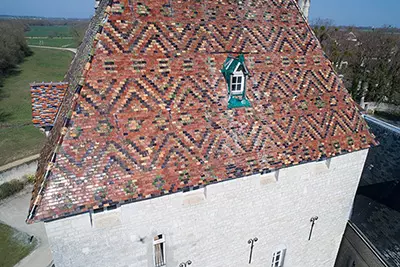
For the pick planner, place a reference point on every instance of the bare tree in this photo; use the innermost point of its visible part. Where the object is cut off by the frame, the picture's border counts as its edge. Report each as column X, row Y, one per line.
column 371, row 59
column 374, row 67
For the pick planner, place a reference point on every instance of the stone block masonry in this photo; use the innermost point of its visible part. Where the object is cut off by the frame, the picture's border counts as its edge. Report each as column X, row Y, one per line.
column 211, row 227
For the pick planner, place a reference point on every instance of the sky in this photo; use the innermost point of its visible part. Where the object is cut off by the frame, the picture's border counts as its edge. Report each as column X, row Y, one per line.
column 48, row 8
column 343, row 12
column 374, row 13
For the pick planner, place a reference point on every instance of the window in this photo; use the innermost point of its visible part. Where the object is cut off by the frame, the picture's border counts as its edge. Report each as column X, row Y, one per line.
column 235, row 73
column 237, row 83
column 278, row 258
column 238, row 79
column 159, row 251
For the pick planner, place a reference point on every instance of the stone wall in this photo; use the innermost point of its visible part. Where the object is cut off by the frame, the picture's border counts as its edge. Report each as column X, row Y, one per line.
column 374, row 106
column 211, row 226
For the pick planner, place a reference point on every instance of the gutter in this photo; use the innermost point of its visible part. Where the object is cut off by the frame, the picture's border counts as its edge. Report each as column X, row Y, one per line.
column 382, row 123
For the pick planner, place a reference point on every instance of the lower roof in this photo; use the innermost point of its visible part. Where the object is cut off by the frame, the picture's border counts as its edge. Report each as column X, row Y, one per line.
column 380, row 224
column 46, row 100
column 376, row 210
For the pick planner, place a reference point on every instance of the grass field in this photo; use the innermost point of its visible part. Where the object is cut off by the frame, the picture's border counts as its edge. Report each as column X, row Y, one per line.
column 49, row 31
column 14, row 246
column 57, row 42
column 57, row 36
column 23, row 139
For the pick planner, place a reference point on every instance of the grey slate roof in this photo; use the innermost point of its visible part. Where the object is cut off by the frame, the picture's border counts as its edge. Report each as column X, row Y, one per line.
column 376, row 210
column 381, row 225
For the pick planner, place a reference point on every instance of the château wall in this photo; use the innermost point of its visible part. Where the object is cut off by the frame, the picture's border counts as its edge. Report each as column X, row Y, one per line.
column 211, row 226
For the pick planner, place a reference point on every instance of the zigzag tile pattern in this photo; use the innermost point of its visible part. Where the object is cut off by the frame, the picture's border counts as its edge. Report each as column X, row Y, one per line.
column 152, row 117
column 46, row 100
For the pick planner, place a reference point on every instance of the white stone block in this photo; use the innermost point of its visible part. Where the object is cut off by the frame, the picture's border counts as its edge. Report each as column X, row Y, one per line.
column 107, row 219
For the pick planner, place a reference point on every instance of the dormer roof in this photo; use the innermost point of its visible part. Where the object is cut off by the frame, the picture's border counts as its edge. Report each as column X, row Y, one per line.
column 232, row 64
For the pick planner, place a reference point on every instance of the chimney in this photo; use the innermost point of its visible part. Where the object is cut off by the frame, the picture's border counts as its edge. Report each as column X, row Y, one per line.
column 301, row 4
column 304, row 6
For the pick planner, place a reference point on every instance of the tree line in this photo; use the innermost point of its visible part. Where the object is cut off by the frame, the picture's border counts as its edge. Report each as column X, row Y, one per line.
column 13, row 50
column 368, row 60
column 13, row 47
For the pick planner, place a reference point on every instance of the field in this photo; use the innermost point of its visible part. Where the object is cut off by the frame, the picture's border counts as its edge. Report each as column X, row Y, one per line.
column 57, row 42
column 49, row 31
column 18, row 137
column 57, row 36
column 14, row 246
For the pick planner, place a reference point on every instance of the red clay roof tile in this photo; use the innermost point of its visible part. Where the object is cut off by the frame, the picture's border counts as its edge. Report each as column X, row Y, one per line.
column 152, row 116
column 46, row 100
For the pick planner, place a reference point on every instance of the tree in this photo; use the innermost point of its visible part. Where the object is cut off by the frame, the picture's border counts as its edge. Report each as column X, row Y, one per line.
column 374, row 67
column 372, row 59
column 13, row 46
column 13, row 49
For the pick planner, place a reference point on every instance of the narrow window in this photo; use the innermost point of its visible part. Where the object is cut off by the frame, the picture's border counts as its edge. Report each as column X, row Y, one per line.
column 278, row 258
column 159, row 251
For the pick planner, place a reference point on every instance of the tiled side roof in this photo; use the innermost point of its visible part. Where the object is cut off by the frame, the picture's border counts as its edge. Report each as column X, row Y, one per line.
column 152, row 116
column 46, row 99
column 74, row 77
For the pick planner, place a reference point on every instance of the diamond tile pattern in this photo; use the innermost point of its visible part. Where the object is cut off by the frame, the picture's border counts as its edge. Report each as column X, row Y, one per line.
column 46, row 99
column 152, row 118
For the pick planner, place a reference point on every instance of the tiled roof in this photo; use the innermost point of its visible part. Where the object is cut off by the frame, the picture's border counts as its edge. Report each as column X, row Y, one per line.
column 151, row 117
column 46, row 99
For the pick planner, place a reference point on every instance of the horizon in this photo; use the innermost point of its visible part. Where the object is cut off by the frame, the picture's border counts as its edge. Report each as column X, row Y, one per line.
column 359, row 13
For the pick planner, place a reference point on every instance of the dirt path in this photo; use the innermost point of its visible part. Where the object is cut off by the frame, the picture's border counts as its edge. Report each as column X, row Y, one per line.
column 18, row 163
column 73, row 50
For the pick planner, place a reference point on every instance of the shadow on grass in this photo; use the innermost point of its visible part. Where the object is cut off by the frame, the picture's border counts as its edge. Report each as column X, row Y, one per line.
column 4, row 116
column 4, row 76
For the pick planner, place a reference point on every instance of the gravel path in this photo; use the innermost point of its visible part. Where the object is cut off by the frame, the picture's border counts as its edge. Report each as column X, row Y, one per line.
column 73, row 50
column 13, row 211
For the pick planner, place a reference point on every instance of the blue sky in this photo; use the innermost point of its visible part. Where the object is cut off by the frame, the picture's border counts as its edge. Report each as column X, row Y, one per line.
column 48, row 8
column 343, row 12
column 357, row 12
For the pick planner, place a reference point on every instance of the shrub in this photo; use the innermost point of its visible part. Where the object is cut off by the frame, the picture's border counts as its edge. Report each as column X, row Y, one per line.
column 10, row 188
column 30, row 178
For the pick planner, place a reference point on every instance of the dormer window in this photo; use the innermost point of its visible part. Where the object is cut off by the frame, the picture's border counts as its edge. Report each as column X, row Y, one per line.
column 235, row 73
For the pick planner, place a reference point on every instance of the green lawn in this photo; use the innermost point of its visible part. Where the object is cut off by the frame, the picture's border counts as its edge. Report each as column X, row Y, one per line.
column 14, row 246
column 56, row 42
column 49, row 31
column 57, row 36
column 20, row 140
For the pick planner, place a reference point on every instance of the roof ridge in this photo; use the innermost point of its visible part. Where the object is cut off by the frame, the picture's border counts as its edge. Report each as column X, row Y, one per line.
column 35, row 203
